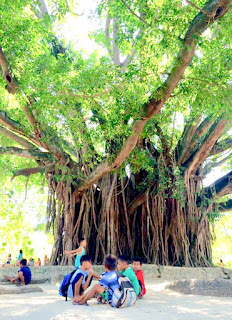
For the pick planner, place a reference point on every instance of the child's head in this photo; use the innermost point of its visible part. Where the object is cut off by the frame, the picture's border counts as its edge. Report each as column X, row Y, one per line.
column 9, row 255
column 86, row 262
column 110, row 262
column 123, row 262
column 23, row 263
column 20, row 251
column 137, row 263
column 83, row 242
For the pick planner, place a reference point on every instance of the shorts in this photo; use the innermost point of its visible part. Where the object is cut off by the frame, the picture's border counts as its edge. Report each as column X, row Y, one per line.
column 140, row 289
column 105, row 295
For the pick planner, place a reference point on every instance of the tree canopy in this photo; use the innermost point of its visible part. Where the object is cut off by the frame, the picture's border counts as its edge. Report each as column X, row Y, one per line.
column 159, row 89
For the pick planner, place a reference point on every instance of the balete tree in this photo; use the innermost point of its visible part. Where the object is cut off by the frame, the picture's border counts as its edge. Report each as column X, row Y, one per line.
column 124, row 136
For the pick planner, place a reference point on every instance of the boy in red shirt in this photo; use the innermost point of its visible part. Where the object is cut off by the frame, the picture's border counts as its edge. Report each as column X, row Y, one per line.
column 137, row 267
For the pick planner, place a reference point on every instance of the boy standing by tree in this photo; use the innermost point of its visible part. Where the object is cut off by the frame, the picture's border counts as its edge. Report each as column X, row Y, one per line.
column 137, row 268
column 79, row 252
column 20, row 257
column 123, row 264
column 24, row 274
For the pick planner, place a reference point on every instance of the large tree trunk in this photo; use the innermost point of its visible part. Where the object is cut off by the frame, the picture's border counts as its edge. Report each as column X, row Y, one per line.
column 115, row 218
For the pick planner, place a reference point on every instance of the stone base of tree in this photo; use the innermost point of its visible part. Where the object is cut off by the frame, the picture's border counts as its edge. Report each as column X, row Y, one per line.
column 19, row 290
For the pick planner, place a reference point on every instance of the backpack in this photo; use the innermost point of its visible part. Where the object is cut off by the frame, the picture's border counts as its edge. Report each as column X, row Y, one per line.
column 63, row 290
column 71, row 287
column 125, row 296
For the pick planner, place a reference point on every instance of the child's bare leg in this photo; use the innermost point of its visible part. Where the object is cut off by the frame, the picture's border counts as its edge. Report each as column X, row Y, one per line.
column 91, row 294
column 21, row 277
column 8, row 278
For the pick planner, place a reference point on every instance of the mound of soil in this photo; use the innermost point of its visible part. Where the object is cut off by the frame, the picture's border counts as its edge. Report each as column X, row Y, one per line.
column 217, row 287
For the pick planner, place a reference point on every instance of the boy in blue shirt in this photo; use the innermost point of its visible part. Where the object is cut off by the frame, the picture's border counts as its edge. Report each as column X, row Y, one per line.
column 24, row 274
column 106, row 286
column 81, row 279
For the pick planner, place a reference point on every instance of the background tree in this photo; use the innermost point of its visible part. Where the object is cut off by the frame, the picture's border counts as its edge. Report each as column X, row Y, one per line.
column 83, row 121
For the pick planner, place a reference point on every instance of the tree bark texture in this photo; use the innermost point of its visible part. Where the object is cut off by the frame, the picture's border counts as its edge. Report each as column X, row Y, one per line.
column 116, row 219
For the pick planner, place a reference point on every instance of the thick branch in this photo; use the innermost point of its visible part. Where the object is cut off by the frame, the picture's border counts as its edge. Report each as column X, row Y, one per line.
column 199, row 24
column 11, row 124
column 225, row 206
column 192, row 145
column 23, row 142
column 116, row 56
column 43, row 8
column 15, row 126
column 203, row 152
column 221, row 146
column 30, row 154
column 187, row 135
column 28, row 171
column 41, row 138
column 137, row 202
column 220, row 187
column 213, row 164
column 9, row 78
column 107, row 34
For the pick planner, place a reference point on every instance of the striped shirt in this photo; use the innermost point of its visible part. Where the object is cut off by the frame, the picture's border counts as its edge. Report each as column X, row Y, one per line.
column 109, row 281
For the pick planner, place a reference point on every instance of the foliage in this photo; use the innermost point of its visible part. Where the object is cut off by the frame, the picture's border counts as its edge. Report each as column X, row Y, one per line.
column 136, row 104
column 222, row 244
column 22, row 223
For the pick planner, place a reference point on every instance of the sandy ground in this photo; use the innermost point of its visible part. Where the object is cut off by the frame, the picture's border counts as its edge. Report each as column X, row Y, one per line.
column 157, row 304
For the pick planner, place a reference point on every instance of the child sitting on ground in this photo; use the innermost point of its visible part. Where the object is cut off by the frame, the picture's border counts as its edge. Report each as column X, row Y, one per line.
column 24, row 274
column 137, row 267
column 123, row 264
column 9, row 258
column 81, row 280
column 106, row 286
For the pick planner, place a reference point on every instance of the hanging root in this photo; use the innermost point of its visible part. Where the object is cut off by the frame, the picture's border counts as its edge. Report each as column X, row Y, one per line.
column 162, row 229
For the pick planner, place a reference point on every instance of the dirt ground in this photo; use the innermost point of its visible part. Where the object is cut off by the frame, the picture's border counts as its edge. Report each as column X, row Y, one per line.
column 158, row 304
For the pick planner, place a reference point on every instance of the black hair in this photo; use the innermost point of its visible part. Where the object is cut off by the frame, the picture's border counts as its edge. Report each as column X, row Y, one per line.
column 81, row 239
column 23, row 262
column 84, row 258
column 124, row 258
column 20, row 251
column 138, row 259
column 110, row 262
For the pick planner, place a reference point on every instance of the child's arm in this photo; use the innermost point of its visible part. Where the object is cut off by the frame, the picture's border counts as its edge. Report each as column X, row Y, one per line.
column 78, row 250
column 15, row 279
column 73, row 254
column 95, row 275
column 85, row 286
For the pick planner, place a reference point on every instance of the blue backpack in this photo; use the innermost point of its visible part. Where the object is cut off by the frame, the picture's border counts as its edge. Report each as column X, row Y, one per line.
column 63, row 290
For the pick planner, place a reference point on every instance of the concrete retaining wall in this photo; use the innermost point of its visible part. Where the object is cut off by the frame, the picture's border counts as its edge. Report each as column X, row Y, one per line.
column 55, row 274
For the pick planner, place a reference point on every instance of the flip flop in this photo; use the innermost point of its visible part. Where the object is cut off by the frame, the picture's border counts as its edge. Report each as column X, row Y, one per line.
column 80, row 304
